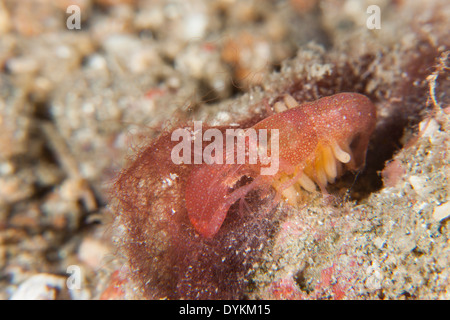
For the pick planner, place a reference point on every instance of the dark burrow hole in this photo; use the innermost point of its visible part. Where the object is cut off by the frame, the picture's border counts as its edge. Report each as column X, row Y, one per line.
column 301, row 280
column 207, row 93
column 385, row 142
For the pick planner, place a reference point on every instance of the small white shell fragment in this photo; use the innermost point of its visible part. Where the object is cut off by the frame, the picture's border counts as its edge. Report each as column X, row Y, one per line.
column 375, row 278
column 419, row 185
column 442, row 212
column 42, row 286
column 428, row 127
column 379, row 242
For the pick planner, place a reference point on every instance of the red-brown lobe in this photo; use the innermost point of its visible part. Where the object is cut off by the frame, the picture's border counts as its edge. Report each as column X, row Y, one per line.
column 344, row 118
column 297, row 136
column 208, row 197
column 347, row 119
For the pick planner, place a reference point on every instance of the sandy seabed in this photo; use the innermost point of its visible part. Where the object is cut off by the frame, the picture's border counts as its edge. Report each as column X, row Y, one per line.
column 76, row 104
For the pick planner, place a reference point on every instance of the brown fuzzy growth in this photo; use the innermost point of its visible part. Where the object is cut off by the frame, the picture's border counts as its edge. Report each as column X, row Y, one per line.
column 167, row 258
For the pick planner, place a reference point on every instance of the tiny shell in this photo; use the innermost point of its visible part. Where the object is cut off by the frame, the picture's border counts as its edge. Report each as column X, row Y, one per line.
column 442, row 212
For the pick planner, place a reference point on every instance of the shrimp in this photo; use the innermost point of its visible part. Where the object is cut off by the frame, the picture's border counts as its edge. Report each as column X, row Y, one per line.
column 170, row 213
column 318, row 140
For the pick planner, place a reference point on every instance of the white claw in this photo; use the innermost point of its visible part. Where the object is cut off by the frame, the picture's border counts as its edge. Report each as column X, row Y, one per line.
column 279, row 107
column 340, row 154
column 330, row 164
column 290, row 101
column 321, row 177
column 307, row 183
